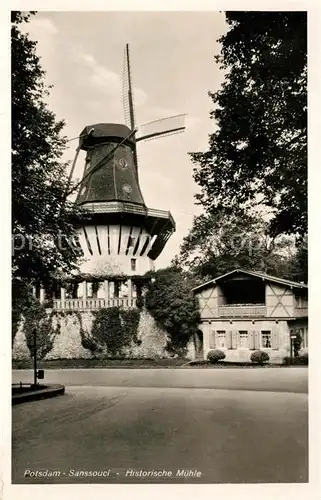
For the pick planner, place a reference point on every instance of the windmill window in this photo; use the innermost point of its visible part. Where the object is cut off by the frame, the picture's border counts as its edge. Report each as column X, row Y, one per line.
column 123, row 163
column 266, row 339
column 127, row 190
column 133, row 264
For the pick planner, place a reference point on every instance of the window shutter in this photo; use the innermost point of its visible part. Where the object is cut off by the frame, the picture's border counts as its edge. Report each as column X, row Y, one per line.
column 275, row 339
column 212, row 339
column 229, row 339
column 256, row 344
column 234, row 339
column 252, row 339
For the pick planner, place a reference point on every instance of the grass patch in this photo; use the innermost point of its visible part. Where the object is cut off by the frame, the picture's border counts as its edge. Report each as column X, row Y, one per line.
column 99, row 363
column 234, row 364
column 60, row 364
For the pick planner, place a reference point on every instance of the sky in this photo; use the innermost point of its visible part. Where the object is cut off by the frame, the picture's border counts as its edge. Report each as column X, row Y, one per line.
column 173, row 68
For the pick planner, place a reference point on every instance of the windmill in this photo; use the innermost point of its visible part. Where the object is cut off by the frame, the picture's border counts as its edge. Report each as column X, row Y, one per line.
column 120, row 235
column 151, row 130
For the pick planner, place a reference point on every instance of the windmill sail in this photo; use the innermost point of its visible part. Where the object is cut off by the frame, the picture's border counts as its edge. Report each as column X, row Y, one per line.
column 128, row 101
column 161, row 127
column 128, row 98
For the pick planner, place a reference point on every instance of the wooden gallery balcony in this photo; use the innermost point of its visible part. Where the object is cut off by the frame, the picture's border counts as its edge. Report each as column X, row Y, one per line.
column 301, row 312
column 92, row 304
column 242, row 311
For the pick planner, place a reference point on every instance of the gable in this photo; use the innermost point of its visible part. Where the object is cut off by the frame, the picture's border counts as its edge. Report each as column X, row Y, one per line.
column 242, row 274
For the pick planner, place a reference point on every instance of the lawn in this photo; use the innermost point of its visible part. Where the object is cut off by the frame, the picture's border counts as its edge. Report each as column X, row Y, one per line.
column 139, row 363
column 100, row 363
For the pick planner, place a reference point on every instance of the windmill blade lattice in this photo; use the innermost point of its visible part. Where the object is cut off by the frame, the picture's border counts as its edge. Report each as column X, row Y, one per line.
column 125, row 91
column 128, row 97
column 162, row 127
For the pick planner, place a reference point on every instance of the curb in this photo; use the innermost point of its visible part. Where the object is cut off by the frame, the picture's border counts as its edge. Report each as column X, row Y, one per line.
column 49, row 392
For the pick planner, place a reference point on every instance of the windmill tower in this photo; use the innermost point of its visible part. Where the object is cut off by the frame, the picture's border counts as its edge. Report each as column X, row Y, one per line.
column 120, row 236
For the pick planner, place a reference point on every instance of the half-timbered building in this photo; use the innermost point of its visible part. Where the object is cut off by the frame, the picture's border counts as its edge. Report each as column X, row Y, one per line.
column 243, row 311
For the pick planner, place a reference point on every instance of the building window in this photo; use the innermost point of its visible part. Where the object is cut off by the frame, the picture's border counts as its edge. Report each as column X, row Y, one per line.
column 243, row 339
column 221, row 338
column 133, row 264
column 266, row 339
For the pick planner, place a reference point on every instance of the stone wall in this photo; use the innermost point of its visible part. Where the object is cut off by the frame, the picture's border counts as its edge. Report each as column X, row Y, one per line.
column 67, row 342
column 20, row 349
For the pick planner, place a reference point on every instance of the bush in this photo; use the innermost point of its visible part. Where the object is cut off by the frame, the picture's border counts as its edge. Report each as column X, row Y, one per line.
column 215, row 355
column 140, row 302
column 259, row 357
column 299, row 360
column 113, row 329
column 171, row 303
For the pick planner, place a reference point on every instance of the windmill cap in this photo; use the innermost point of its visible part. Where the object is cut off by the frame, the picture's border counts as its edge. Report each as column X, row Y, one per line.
column 100, row 132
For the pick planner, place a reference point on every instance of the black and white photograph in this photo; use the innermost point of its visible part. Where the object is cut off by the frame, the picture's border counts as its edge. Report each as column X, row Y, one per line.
column 159, row 277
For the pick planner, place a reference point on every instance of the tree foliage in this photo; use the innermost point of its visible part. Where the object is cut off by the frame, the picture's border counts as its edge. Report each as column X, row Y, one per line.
column 41, row 220
column 36, row 318
column 113, row 329
column 170, row 300
column 217, row 244
column 257, row 157
column 299, row 262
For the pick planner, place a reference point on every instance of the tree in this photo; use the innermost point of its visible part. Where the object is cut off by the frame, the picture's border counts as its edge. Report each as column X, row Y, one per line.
column 257, row 157
column 171, row 302
column 217, row 244
column 299, row 262
column 43, row 223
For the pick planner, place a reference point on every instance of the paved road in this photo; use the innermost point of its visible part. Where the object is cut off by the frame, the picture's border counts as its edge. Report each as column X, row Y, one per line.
column 293, row 379
column 233, row 426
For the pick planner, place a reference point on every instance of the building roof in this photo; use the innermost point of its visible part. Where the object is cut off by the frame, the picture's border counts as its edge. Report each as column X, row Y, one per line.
column 110, row 173
column 99, row 132
column 256, row 274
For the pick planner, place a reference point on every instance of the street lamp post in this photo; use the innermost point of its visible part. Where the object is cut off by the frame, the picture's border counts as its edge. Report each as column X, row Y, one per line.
column 37, row 374
column 34, row 333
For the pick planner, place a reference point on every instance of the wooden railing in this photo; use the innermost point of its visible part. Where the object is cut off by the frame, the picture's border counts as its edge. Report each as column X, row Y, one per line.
column 240, row 311
column 301, row 312
column 90, row 304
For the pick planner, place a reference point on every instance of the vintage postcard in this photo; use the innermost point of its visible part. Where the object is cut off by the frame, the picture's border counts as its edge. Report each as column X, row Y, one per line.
column 161, row 308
